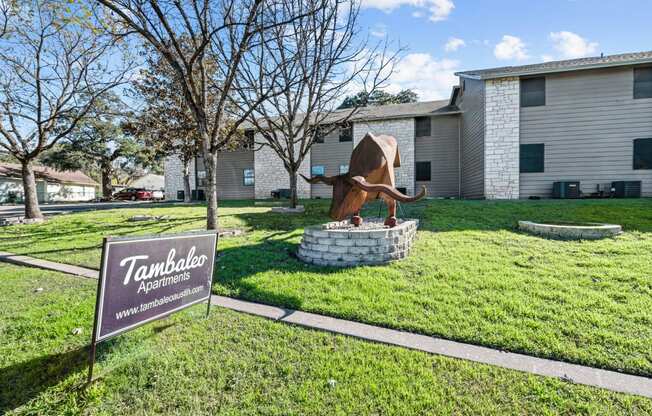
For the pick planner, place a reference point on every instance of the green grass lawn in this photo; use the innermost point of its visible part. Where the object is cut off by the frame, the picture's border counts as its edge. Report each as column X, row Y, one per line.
column 235, row 364
column 472, row 277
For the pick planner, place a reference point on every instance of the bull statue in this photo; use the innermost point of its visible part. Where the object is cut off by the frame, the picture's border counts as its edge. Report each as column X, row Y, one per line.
column 371, row 175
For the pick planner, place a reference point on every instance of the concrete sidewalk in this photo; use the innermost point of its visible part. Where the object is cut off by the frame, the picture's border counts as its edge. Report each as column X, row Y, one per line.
column 48, row 265
column 589, row 376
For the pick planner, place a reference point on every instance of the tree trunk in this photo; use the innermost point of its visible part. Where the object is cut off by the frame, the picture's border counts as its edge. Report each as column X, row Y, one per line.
column 294, row 199
column 32, row 209
column 107, row 173
column 210, row 161
column 186, row 182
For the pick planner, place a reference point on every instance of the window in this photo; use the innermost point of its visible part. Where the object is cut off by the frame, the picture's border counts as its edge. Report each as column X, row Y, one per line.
column 423, row 171
column 532, row 158
column 344, row 169
column 201, row 178
column 346, row 133
column 249, row 139
column 320, row 133
column 248, row 175
column 643, row 154
column 643, row 82
column 533, row 92
column 422, row 126
column 318, row 171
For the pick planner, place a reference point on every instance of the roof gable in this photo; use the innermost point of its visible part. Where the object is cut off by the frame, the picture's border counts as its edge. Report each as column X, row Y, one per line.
column 14, row 170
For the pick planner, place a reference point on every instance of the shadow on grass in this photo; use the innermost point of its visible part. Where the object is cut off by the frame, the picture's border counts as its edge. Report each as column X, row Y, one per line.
column 237, row 266
column 21, row 382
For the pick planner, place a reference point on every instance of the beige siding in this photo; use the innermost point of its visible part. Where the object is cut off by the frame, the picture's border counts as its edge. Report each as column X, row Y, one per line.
column 588, row 126
column 230, row 174
column 442, row 150
column 472, row 105
column 330, row 154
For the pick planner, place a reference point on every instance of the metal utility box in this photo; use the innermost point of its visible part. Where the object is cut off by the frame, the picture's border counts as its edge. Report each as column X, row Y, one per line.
column 566, row 190
column 627, row 189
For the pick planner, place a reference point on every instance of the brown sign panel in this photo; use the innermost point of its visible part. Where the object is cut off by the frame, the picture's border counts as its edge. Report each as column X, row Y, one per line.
column 146, row 278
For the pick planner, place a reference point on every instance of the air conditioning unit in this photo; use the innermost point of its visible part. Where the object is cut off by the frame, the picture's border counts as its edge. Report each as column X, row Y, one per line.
column 627, row 189
column 566, row 190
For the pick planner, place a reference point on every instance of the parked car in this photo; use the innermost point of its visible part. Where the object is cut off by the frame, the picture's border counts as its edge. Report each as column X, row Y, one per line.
column 133, row 194
column 158, row 195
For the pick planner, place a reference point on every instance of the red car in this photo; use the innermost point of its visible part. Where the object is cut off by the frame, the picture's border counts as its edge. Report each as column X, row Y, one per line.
column 133, row 194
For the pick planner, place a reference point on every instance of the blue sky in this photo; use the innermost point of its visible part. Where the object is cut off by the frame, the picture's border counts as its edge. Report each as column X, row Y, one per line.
column 489, row 33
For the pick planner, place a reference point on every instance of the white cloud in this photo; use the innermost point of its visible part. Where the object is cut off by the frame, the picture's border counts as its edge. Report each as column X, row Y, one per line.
column 439, row 9
column 430, row 78
column 571, row 45
column 379, row 30
column 547, row 58
column 454, row 44
column 511, row 47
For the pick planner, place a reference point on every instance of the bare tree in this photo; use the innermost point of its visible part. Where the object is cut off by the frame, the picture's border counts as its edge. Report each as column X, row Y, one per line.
column 53, row 67
column 316, row 59
column 5, row 11
column 205, row 43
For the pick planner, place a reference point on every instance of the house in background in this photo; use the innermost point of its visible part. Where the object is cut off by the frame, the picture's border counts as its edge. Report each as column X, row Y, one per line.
column 51, row 185
column 505, row 133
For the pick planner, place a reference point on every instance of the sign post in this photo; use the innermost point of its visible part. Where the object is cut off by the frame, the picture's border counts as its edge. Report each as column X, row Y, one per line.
column 143, row 279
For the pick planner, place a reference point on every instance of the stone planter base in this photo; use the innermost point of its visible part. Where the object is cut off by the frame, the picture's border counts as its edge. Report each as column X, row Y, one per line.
column 19, row 220
column 339, row 244
column 287, row 210
column 571, row 232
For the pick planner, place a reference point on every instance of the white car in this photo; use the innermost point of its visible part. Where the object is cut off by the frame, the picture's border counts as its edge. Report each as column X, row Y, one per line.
column 158, row 195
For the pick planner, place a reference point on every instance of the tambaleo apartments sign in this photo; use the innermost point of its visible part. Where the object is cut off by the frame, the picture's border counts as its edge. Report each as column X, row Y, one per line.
column 146, row 278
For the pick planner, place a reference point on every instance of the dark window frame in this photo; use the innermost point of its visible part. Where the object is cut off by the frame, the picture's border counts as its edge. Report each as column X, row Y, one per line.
column 249, row 135
column 525, row 156
column 642, row 80
column 346, row 133
column 321, row 132
column 529, row 98
column 245, row 177
column 420, row 130
column 642, row 162
column 417, row 171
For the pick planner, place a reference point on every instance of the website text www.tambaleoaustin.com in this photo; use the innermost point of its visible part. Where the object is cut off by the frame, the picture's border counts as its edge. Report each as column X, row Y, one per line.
column 158, row 302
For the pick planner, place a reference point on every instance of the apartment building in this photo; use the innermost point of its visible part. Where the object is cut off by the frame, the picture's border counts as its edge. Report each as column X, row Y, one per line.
column 505, row 133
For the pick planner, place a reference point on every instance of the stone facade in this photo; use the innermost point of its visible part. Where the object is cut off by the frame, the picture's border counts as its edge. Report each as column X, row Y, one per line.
column 501, row 143
column 324, row 246
column 574, row 232
column 403, row 130
column 271, row 175
column 174, row 177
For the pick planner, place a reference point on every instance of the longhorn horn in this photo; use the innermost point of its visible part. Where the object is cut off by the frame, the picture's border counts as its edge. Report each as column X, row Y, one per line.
column 328, row 180
column 386, row 189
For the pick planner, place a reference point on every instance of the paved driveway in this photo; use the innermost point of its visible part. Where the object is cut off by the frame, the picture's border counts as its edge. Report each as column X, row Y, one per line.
column 52, row 209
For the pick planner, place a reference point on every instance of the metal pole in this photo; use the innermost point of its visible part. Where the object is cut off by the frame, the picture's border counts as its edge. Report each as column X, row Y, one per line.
column 91, row 363
column 91, row 358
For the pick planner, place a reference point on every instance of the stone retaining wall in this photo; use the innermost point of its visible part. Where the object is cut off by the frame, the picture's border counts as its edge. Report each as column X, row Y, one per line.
column 325, row 246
